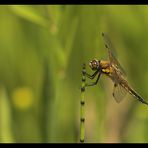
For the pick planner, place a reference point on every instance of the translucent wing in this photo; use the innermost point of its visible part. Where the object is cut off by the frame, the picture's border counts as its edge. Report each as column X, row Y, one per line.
column 119, row 93
column 111, row 48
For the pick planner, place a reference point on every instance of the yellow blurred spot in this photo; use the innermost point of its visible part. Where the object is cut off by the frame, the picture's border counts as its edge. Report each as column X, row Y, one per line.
column 22, row 98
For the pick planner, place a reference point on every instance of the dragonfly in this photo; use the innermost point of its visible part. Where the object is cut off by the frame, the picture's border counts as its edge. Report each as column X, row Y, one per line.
column 113, row 69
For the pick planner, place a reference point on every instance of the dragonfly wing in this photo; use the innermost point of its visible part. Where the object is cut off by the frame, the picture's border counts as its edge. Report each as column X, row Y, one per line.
column 109, row 46
column 119, row 93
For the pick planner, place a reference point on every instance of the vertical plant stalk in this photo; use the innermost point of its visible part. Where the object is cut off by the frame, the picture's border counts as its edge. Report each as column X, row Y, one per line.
column 82, row 109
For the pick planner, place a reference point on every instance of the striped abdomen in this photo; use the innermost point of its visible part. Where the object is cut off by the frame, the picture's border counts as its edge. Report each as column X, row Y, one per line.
column 133, row 93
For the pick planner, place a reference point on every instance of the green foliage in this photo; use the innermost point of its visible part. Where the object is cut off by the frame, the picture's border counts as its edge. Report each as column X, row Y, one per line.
column 42, row 49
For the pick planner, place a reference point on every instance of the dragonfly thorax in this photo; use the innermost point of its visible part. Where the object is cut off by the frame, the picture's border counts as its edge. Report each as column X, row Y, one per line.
column 94, row 64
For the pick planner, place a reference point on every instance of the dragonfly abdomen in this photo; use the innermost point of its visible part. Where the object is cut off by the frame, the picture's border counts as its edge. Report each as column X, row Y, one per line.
column 134, row 93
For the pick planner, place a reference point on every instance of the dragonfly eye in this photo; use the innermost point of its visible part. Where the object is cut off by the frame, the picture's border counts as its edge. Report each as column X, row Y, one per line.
column 94, row 64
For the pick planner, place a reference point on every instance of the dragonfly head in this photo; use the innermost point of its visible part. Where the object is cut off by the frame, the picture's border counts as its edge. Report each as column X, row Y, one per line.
column 94, row 64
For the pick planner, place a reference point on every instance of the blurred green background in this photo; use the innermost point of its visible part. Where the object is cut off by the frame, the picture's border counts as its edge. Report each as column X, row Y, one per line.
column 42, row 49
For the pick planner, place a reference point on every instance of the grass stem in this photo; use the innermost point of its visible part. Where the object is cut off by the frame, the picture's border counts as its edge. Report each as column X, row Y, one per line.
column 82, row 109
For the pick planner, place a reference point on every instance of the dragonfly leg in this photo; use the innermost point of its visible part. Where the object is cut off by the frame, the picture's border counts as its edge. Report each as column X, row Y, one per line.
column 93, row 75
column 94, row 83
